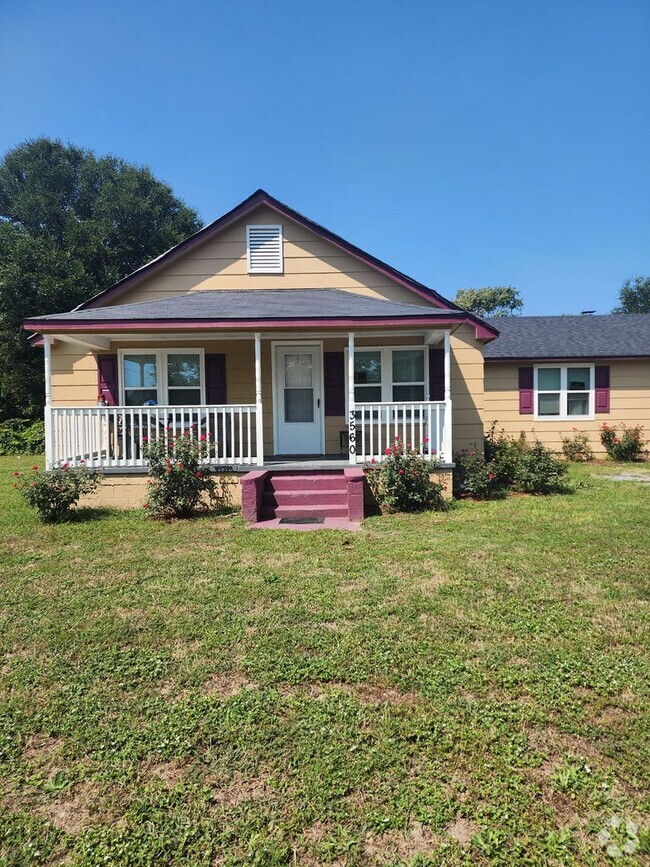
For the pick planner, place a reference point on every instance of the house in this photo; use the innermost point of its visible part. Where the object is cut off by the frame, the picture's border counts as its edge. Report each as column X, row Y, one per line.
column 551, row 375
column 297, row 351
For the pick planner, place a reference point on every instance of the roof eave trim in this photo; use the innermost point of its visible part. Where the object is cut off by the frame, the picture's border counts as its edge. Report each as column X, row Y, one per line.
column 551, row 359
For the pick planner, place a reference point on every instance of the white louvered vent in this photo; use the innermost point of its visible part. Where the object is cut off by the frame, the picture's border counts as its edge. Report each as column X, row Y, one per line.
column 264, row 245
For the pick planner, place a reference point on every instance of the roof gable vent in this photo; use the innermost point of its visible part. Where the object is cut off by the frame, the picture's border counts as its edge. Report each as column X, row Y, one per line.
column 264, row 249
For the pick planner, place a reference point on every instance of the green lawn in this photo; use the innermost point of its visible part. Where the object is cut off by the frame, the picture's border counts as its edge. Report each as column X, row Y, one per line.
column 442, row 689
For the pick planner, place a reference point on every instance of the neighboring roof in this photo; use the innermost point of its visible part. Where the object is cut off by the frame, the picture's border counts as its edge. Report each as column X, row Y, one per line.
column 216, row 306
column 261, row 197
column 556, row 337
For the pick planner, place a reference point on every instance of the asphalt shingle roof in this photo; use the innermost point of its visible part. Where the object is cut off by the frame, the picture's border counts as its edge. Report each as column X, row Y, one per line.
column 587, row 336
column 263, row 304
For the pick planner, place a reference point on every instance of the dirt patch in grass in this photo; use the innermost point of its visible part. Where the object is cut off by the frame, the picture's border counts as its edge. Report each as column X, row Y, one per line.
column 366, row 693
column 72, row 814
column 170, row 773
column 462, row 830
column 227, row 685
column 239, row 789
column 42, row 751
column 385, row 848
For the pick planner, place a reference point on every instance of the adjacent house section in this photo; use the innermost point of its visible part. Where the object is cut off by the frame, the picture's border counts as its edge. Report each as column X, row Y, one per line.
column 551, row 375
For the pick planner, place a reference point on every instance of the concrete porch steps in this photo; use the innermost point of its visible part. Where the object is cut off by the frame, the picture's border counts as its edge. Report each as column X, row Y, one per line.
column 269, row 495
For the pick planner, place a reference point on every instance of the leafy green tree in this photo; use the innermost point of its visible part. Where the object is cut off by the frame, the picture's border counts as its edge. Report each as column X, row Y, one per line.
column 634, row 295
column 71, row 224
column 490, row 300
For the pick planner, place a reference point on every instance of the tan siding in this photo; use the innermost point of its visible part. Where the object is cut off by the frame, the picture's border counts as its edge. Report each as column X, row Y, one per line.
column 629, row 403
column 309, row 263
column 466, row 388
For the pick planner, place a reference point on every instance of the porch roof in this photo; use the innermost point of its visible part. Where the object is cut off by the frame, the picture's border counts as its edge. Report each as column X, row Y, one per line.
column 247, row 309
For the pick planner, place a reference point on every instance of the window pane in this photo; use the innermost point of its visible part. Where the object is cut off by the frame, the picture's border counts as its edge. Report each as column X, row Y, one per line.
column 549, row 379
column 368, row 394
column 578, row 404
column 140, row 397
column 184, row 370
column 184, row 396
column 548, row 404
column 578, row 379
column 408, row 365
column 367, row 367
column 140, row 371
column 408, row 392
column 298, row 404
column 298, row 369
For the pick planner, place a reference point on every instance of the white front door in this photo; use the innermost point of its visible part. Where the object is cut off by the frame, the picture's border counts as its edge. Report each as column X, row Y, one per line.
column 298, row 406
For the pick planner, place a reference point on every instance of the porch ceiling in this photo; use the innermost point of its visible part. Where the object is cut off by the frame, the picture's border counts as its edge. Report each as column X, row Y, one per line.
column 307, row 308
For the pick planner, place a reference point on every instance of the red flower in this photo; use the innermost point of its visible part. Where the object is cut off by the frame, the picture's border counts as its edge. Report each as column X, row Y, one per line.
column 425, row 440
column 434, row 452
column 64, row 466
column 493, row 475
column 202, row 437
column 147, row 506
column 33, row 484
column 35, row 468
column 17, row 473
column 82, row 461
column 386, row 451
column 400, row 472
column 145, row 439
column 15, row 484
column 198, row 475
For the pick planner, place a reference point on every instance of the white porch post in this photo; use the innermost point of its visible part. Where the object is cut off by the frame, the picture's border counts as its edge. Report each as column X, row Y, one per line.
column 352, row 421
column 447, row 444
column 49, row 445
column 259, row 410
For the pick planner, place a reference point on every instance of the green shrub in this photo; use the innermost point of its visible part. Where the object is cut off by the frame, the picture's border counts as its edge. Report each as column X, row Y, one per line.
column 18, row 436
column 179, row 483
column 629, row 445
column 508, row 463
column 576, row 448
column 402, row 483
column 53, row 493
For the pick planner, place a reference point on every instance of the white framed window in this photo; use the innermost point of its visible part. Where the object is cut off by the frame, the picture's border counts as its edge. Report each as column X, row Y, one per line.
column 264, row 249
column 564, row 391
column 391, row 374
column 166, row 377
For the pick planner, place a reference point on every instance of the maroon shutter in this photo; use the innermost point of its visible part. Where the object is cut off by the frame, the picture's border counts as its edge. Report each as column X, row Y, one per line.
column 107, row 378
column 436, row 374
column 602, row 388
column 215, row 379
column 526, row 392
column 334, row 376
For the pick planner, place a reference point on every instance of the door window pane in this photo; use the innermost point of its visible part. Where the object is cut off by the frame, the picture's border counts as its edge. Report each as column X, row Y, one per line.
column 549, row 379
column 578, row 379
column 184, row 370
column 367, row 368
column 140, row 371
column 298, row 370
column 408, row 365
column 578, row 404
column 298, row 405
column 408, row 392
column 548, row 404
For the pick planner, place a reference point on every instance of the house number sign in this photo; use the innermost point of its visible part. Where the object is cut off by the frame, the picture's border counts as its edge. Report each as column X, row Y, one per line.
column 352, row 432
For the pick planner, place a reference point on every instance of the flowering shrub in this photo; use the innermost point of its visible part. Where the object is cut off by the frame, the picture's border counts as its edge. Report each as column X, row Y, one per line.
column 179, row 481
column 576, row 448
column 401, row 482
column 508, row 463
column 54, row 492
column 629, row 445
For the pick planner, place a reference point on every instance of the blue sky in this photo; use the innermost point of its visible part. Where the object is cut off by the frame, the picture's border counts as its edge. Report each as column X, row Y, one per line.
column 468, row 143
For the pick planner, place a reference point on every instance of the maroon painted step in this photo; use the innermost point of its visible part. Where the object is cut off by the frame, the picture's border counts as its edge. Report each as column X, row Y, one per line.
column 305, row 511
column 307, row 481
column 300, row 497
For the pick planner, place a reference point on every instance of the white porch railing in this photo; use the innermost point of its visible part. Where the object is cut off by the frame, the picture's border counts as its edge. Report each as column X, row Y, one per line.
column 104, row 437
column 424, row 425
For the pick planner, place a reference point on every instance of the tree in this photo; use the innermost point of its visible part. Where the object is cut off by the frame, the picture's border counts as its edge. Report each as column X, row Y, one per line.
column 634, row 295
column 71, row 224
column 490, row 300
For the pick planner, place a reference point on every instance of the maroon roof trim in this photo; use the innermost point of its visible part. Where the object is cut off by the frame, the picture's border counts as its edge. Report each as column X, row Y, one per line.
column 261, row 197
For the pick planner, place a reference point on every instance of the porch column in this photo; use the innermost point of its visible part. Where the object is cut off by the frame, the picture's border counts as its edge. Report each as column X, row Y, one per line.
column 47, row 352
column 259, row 410
column 352, row 421
column 446, row 439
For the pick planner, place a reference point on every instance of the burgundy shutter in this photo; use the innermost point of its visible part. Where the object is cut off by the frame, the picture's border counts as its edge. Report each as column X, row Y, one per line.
column 602, row 388
column 334, row 376
column 526, row 392
column 436, row 374
column 107, row 378
column 215, row 379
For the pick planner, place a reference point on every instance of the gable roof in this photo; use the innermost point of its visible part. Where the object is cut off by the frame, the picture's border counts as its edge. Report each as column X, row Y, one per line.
column 564, row 337
column 245, row 308
column 257, row 199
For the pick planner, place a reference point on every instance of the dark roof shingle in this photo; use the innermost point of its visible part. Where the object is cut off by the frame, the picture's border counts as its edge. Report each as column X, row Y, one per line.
column 587, row 336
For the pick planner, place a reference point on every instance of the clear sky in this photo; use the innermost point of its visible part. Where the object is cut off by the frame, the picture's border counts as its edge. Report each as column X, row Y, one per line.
column 467, row 143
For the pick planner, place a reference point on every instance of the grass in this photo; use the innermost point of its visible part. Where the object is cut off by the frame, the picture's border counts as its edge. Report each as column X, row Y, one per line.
column 442, row 689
